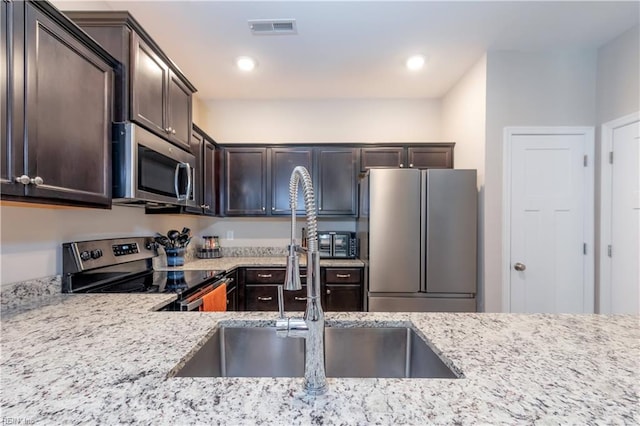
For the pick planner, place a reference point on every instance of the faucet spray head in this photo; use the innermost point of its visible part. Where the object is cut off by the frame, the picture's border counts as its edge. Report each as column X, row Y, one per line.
column 292, row 276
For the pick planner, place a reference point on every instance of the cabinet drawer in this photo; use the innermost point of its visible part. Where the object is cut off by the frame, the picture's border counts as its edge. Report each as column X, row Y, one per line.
column 265, row 275
column 265, row 298
column 270, row 276
column 343, row 275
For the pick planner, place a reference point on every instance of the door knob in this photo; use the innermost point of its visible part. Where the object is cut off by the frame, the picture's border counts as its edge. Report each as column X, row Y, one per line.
column 519, row 266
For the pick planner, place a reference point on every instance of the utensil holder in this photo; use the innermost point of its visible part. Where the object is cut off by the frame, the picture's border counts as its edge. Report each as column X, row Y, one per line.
column 175, row 256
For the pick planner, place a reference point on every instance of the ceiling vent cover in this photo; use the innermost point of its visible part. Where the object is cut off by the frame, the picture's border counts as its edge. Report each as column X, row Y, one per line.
column 272, row 26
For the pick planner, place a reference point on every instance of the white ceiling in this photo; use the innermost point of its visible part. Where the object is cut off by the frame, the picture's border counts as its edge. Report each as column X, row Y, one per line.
column 357, row 49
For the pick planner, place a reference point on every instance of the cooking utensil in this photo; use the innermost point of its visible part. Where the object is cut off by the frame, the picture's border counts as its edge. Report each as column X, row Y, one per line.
column 182, row 240
column 162, row 240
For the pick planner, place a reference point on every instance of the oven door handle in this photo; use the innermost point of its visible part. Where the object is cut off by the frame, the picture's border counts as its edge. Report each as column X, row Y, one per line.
column 191, row 304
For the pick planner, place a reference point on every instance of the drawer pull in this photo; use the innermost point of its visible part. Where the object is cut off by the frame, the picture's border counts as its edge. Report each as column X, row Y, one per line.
column 300, row 299
column 265, row 299
column 343, row 275
column 328, row 291
column 303, row 276
column 264, row 275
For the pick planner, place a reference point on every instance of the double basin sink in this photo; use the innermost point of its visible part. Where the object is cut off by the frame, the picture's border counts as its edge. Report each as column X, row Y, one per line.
column 385, row 352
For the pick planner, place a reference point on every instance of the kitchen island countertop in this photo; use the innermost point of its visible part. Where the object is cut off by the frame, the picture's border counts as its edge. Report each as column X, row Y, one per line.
column 106, row 358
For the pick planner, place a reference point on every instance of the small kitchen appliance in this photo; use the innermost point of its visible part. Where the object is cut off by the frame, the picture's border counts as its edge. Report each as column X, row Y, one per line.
column 125, row 265
column 337, row 244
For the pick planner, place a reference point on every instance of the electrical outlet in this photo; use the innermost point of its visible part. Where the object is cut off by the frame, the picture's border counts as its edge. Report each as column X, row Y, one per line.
column 229, row 235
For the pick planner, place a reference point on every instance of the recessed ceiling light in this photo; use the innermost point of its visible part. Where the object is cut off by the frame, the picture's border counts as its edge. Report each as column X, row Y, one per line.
column 415, row 62
column 246, row 63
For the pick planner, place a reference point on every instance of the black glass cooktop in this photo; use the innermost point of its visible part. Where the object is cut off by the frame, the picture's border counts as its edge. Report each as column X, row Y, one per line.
column 172, row 281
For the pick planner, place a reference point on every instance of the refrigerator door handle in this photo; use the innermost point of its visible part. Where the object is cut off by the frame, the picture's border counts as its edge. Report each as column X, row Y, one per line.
column 423, row 230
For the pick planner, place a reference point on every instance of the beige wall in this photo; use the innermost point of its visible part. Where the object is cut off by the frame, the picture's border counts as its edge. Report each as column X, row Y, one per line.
column 619, row 76
column 32, row 237
column 329, row 120
column 527, row 89
column 464, row 121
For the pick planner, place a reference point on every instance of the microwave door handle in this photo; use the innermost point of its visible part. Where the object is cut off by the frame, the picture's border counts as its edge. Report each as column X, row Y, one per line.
column 188, row 192
column 180, row 196
column 175, row 180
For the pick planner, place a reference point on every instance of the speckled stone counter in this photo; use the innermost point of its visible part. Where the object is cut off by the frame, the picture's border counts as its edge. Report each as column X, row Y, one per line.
column 228, row 263
column 106, row 358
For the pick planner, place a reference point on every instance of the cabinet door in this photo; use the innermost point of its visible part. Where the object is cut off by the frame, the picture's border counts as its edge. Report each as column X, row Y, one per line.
column 179, row 111
column 210, row 181
column 11, row 152
column 382, row 157
column 283, row 161
column 337, row 181
column 197, row 148
column 149, row 76
column 246, row 181
column 431, row 157
column 68, row 142
column 232, row 298
column 343, row 298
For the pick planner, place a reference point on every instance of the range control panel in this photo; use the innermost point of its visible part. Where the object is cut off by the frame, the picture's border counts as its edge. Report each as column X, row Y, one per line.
column 123, row 249
column 83, row 255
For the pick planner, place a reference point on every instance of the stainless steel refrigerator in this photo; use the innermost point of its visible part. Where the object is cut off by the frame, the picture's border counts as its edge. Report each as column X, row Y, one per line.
column 418, row 236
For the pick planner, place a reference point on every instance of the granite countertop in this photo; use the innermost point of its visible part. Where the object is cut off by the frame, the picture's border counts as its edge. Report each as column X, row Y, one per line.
column 228, row 263
column 106, row 358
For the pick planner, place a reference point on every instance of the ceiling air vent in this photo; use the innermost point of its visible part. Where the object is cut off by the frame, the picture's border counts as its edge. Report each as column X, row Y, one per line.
column 272, row 26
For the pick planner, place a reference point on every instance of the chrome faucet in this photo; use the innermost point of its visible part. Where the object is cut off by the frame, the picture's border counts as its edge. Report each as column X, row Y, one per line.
column 311, row 327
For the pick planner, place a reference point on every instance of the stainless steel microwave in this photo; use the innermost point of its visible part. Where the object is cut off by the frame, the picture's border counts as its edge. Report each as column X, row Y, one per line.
column 337, row 244
column 150, row 170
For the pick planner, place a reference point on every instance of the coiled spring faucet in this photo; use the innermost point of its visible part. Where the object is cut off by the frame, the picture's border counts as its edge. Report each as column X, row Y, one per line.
column 311, row 326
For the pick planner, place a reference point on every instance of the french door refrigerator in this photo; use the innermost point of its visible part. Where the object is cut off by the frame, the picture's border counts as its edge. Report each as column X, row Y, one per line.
column 418, row 235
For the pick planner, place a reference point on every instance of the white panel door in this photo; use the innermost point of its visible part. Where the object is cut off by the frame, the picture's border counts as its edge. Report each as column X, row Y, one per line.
column 549, row 202
column 625, row 220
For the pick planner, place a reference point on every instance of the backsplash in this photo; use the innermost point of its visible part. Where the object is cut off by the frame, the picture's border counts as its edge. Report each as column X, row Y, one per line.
column 254, row 251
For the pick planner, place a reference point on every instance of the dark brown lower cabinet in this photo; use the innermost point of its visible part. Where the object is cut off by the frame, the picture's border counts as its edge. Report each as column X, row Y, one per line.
column 342, row 289
column 258, row 290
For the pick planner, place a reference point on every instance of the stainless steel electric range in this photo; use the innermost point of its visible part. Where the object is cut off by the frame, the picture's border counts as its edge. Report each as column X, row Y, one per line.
column 125, row 265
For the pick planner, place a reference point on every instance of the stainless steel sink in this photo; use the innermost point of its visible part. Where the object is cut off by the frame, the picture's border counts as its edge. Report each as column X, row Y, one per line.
column 349, row 352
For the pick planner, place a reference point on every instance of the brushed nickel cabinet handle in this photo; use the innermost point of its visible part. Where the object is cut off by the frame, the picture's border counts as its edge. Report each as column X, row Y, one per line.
column 265, row 299
column 37, row 181
column 264, row 275
column 300, row 299
column 343, row 275
column 328, row 291
column 24, row 179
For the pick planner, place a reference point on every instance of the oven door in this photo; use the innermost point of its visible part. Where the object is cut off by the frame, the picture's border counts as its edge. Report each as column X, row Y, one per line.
column 194, row 301
column 149, row 169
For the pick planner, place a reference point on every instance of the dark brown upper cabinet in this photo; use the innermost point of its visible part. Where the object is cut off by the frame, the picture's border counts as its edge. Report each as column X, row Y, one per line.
column 382, row 157
column 422, row 156
column 283, row 161
column 435, row 156
column 337, row 182
column 158, row 96
column 257, row 179
column 58, row 97
column 246, row 179
column 210, row 178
